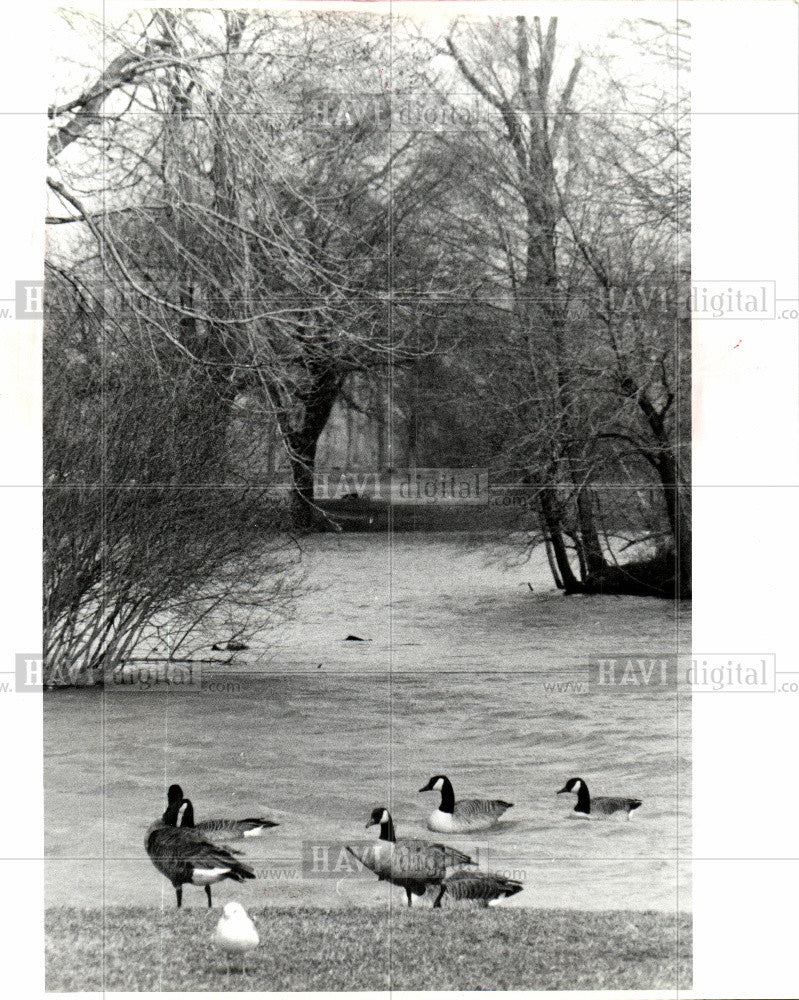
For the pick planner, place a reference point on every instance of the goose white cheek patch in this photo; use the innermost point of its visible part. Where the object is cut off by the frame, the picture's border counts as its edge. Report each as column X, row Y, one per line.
column 438, row 785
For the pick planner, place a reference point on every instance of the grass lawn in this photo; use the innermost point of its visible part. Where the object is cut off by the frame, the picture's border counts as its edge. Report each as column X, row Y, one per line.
column 370, row 949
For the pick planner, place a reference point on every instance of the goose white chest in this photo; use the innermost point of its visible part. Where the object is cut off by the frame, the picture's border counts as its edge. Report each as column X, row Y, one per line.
column 444, row 822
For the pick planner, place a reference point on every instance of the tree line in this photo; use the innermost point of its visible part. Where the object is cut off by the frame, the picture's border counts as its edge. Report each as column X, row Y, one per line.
column 257, row 217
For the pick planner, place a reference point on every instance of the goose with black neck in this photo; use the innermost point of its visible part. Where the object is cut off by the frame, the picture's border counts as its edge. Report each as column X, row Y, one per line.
column 464, row 815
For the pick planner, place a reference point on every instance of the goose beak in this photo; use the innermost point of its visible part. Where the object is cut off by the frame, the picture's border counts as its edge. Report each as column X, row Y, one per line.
column 372, row 822
column 425, row 789
column 561, row 791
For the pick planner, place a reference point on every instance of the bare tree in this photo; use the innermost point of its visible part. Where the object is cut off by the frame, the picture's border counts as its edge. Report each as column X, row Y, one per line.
column 138, row 559
column 560, row 196
column 252, row 209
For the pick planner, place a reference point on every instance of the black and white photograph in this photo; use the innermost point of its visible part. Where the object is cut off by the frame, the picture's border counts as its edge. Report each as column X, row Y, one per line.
column 368, row 399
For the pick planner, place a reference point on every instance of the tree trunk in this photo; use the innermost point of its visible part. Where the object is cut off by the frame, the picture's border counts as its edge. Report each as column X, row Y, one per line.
column 302, row 442
column 568, row 581
column 678, row 510
column 303, row 511
column 593, row 557
column 675, row 498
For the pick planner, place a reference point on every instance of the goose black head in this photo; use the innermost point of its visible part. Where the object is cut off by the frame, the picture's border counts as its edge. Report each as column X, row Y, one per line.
column 382, row 816
column 379, row 815
column 435, row 784
column 572, row 785
column 174, row 794
column 179, row 812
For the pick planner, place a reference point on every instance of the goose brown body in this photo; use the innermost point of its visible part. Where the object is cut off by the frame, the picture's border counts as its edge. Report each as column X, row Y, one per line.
column 409, row 862
column 226, row 829
column 185, row 856
column 600, row 806
column 481, row 888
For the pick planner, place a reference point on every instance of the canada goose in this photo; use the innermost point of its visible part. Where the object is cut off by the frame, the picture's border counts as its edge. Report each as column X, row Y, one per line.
column 235, row 933
column 410, row 863
column 483, row 887
column 465, row 815
column 184, row 856
column 227, row 828
column 600, row 807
